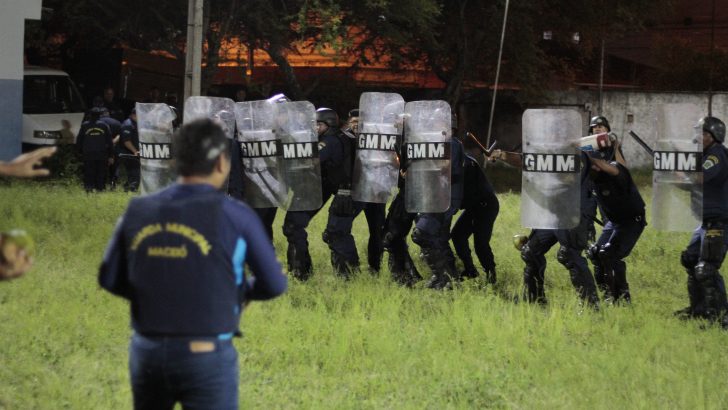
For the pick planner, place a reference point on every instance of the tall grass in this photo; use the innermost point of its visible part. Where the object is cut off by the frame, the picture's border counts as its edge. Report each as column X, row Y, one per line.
column 366, row 343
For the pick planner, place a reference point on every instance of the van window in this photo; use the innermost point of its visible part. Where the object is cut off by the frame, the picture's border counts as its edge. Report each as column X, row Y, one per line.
column 50, row 94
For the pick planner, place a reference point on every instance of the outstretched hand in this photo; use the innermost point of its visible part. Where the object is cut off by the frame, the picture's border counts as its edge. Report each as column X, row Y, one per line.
column 26, row 165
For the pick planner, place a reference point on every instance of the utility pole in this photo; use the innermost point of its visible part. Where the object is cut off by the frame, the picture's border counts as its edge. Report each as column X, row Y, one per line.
column 497, row 74
column 193, row 59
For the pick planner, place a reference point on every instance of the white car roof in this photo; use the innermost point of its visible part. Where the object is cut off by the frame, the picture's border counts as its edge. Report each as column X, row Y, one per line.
column 36, row 70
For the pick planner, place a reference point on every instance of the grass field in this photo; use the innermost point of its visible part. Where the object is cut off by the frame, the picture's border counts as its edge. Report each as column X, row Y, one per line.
column 364, row 344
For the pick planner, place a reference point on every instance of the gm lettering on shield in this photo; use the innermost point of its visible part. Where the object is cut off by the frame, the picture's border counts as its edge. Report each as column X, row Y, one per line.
column 676, row 161
column 377, row 142
column 154, row 151
column 260, row 149
column 427, row 150
column 559, row 163
column 299, row 150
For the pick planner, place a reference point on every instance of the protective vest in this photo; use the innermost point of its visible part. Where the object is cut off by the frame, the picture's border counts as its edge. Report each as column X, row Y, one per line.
column 180, row 270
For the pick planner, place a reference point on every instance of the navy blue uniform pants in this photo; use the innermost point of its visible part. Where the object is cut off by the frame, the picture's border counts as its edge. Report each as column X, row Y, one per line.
column 267, row 216
column 375, row 215
column 476, row 221
column 614, row 244
column 199, row 373
column 702, row 260
column 572, row 242
column 94, row 174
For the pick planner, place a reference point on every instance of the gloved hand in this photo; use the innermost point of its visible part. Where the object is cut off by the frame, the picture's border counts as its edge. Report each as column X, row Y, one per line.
column 342, row 204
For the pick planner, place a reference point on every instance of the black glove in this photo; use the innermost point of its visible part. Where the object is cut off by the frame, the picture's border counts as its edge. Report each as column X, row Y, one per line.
column 342, row 204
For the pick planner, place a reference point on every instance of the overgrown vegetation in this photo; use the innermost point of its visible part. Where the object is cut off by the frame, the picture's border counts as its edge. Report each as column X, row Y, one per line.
column 366, row 343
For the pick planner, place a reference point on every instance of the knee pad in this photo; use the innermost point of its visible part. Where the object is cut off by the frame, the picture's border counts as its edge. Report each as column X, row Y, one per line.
column 388, row 241
column 606, row 254
column 593, row 254
column 421, row 238
column 688, row 261
column 288, row 228
column 528, row 255
column 326, row 236
column 705, row 272
column 562, row 256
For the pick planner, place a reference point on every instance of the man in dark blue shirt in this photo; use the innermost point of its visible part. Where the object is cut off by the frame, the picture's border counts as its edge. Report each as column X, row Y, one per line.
column 97, row 150
column 178, row 256
column 706, row 251
column 129, row 146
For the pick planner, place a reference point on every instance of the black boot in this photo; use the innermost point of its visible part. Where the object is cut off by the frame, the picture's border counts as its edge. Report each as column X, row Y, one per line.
column 299, row 263
column 490, row 276
column 343, row 268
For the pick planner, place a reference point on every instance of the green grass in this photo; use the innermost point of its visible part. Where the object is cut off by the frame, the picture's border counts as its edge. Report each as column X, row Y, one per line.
column 366, row 343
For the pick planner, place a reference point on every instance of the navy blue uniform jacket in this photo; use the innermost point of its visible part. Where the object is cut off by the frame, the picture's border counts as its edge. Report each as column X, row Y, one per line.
column 178, row 256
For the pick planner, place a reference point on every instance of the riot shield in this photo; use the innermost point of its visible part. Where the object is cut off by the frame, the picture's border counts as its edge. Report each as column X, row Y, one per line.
column 376, row 166
column 263, row 183
column 550, row 190
column 218, row 109
column 155, row 125
column 677, row 177
column 427, row 155
column 299, row 158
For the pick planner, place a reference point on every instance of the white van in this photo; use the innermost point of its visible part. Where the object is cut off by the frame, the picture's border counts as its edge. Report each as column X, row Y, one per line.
column 52, row 108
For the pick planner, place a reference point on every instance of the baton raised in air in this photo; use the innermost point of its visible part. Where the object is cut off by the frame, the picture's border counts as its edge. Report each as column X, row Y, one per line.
column 642, row 143
column 487, row 151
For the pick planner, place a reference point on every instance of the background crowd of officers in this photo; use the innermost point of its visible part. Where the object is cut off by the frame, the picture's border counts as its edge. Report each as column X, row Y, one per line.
column 606, row 186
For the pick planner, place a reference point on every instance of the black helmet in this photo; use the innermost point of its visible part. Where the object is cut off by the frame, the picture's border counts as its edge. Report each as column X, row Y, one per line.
column 328, row 117
column 714, row 126
column 599, row 120
column 354, row 113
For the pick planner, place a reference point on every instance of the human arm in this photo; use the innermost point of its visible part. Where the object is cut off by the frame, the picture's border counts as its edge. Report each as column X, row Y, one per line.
column 24, row 165
column 113, row 273
column 267, row 280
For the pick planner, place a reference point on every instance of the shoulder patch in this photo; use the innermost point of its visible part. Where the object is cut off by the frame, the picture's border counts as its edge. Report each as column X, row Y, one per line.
column 710, row 162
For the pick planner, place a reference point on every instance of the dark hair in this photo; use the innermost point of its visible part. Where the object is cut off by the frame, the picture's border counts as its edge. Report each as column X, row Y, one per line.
column 197, row 145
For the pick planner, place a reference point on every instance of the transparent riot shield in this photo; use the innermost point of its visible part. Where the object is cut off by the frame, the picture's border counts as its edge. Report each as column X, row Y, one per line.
column 427, row 155
column 299, row 157
column 376, row 165
column 677, row 177
column 550, row 190
column 263, row 183
column 219, row 109
column 155, row 125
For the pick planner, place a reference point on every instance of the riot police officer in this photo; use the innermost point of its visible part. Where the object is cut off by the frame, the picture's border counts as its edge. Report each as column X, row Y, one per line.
column 335, row 153
column 706, row 251
column 480, row 209
column 373, row 212
column 572, row 242
column 623, row 209
column 397, row 226
column 432, row 230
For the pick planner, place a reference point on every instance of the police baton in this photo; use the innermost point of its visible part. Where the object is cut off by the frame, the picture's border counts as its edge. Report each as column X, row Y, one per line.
column 486, row 151
column 128, row 156
column 642, row 143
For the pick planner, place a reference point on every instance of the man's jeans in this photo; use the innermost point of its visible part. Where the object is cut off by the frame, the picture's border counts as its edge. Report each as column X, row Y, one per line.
column 198, row 372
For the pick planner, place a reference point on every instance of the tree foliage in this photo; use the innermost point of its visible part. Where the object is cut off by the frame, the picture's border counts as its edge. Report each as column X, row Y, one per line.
column 456, row 39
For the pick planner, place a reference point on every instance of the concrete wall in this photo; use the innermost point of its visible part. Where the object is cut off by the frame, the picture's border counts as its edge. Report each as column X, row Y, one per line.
column 13, row 14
